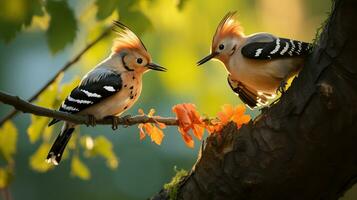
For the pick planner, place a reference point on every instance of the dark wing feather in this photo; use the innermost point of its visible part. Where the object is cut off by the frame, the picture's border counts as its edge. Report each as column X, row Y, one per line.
column 93, row 89
column 248, row 97
column 259, row 48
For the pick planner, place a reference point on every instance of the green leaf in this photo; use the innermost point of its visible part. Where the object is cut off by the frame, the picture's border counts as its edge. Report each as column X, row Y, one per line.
column 136, row 20
column 38, row 159
column 79, row 169
column 105, row 8
column 6, row 175
column 8, row 139
column 63, row 25
column 16, row 13
column 101, row 146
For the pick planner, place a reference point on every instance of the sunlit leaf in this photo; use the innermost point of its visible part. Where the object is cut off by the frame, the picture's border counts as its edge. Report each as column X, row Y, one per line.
column 157, row 135
column 87, row 142
column 5, row 177
column 16, row 13
column 8, row 138
column 36, row 128
column 63, row 25
column 47, row 132
column 68, row 87
column 79, row 169
column 105, row 8
column 38, row 159
column 103, row 147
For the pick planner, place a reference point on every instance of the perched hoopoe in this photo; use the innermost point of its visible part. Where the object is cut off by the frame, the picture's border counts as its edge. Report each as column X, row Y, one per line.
column 258, row 65
column 111, row 88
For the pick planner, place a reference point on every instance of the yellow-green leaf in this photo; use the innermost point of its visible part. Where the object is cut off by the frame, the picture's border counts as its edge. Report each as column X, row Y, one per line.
column 8, row 138
column 38, row 159
column 79, row 169
column 86, row 142
column 5, row 177
column 48, row 97
column 68, row 87
column 103, row 147
column 36, row 128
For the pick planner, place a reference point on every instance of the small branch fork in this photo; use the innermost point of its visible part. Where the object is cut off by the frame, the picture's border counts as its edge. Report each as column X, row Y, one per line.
column 26, row 107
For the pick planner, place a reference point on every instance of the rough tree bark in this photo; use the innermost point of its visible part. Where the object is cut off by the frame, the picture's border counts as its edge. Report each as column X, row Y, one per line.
column 303, row 147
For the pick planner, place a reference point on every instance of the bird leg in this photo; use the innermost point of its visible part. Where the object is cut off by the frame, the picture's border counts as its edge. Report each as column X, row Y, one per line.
column 91, row 120
column 115, row 122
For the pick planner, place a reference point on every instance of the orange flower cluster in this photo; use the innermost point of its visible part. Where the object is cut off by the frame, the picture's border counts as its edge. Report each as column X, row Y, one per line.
column 228, row 113
column 189, row 119
column 152, row 130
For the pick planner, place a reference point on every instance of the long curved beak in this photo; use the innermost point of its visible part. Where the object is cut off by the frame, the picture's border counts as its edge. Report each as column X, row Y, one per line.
column 156, row 67
column 207, row 58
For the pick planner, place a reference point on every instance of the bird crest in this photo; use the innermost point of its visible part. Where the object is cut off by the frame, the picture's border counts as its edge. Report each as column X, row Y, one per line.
column 229, row 26
column 126, row 39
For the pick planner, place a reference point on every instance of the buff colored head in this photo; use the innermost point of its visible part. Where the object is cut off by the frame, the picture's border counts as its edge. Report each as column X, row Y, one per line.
column 134, row 54
column 226, row 39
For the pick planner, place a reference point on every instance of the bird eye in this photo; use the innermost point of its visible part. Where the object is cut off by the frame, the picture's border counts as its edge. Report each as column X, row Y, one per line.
column 139, row 60
column 221, row 47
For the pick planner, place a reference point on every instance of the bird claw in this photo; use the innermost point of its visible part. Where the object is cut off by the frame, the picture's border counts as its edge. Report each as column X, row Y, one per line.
column 126, row 120
column 91, row 121
column 282, row 87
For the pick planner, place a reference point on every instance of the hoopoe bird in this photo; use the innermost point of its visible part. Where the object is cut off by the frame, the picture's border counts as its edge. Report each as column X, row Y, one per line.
column 258, row 65
column 108, row 90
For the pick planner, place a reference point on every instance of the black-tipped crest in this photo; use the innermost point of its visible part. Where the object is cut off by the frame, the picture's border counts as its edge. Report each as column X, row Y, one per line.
column 126, row 36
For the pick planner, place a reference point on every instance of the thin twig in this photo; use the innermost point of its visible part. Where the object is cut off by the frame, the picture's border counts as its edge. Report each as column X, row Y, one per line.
column 12, row 113
column 26, row 107
column 5, row 193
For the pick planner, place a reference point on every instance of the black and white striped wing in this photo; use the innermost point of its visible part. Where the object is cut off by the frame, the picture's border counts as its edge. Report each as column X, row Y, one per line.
column 260, row 48
column 94, row 88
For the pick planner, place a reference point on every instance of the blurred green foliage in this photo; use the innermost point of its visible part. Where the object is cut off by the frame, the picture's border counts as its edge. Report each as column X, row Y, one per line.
column 15, row 14
column 60, row 32
column 79, row 169
column 8, row 140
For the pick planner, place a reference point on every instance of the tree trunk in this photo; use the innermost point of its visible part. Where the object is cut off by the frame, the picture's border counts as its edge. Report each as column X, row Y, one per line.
column 304, row 146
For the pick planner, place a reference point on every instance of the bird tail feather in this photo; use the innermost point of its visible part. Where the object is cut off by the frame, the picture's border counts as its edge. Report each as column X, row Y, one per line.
column 57, row 149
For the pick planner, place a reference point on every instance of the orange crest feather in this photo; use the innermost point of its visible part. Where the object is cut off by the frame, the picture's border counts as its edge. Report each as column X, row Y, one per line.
column 126, row 39
column 229, row 25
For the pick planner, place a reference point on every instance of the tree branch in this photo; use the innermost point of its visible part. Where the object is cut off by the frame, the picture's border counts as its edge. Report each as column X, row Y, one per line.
column 12, row 113
column 26, row 107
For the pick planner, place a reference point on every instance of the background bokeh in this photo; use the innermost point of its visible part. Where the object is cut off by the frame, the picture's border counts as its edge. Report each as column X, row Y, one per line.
column 177, row 37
